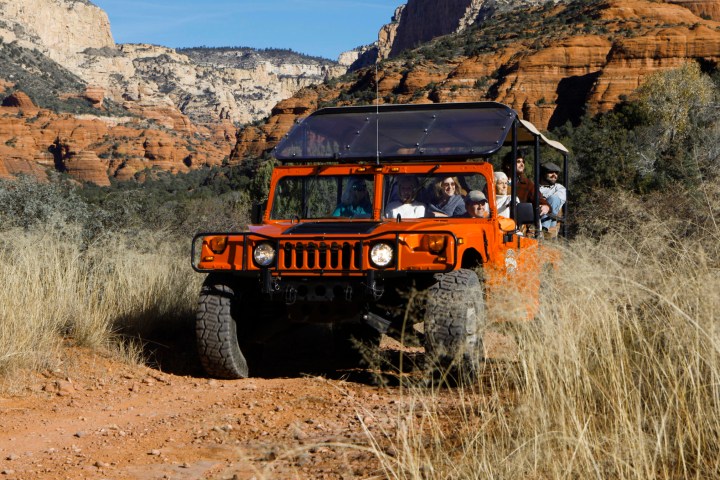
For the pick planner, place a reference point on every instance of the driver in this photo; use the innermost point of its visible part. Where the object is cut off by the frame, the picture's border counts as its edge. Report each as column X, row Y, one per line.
column 355, row 200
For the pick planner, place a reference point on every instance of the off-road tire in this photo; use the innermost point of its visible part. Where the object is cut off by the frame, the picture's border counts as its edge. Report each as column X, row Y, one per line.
column 216, row 329
column 454, row 320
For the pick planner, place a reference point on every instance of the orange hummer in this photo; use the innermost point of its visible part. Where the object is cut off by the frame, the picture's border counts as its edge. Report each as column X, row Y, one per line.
column 371, row 206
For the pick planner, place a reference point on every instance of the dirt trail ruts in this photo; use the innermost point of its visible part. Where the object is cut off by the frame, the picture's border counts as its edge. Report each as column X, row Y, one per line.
column 98, row 418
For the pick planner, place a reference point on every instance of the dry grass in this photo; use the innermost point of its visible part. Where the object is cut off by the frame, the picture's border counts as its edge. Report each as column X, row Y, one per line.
column 54, row 290
column 618, row 378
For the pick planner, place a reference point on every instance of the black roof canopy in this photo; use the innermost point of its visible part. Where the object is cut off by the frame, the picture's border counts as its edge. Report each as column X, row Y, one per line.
column 401, row 132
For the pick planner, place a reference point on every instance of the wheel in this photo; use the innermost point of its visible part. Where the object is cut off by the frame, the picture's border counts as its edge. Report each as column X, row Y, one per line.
column 216, row 329
column 454, row 319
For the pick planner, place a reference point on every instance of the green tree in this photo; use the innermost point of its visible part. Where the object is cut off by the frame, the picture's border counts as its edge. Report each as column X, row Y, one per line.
column 674, row 100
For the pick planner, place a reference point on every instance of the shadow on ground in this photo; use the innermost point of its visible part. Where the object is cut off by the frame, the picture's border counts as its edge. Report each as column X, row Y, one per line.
column 305, row 350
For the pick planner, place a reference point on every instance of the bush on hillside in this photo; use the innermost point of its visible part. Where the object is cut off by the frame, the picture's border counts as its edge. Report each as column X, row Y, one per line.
column 663, row 144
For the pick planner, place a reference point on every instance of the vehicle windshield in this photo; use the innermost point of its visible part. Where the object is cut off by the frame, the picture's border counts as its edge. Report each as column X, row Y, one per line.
column 428, row 196
column 407, row 195
column 327, row 196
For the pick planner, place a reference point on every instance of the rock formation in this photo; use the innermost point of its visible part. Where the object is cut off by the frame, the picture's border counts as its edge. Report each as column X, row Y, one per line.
column 93, row 148
column 187, row 104
column 419, row 21
column 551, row 64
column 707, row 9
column 150, row 107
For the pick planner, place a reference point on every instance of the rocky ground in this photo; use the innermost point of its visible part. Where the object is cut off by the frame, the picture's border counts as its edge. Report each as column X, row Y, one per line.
column 95, row 417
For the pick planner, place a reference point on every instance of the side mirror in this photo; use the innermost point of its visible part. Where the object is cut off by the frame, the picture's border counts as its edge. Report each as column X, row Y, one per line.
column 525, row 213
column 256, row 215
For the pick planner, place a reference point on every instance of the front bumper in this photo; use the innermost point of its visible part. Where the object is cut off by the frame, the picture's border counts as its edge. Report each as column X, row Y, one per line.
column 314, row 256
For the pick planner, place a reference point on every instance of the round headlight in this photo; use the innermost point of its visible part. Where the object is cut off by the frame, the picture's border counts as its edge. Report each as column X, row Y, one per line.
column 381, row 254
column 264, row 254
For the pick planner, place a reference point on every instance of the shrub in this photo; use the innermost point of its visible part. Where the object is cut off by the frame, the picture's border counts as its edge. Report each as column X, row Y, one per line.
column 57, row 287
column 663, row 136
column 676, row 100
column 617, row 377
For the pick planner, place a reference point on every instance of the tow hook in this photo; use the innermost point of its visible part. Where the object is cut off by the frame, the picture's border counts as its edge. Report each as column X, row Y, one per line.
column 290, row 295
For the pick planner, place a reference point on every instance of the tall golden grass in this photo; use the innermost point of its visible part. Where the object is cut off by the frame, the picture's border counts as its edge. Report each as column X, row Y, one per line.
column 55, row 288
column 618, row 377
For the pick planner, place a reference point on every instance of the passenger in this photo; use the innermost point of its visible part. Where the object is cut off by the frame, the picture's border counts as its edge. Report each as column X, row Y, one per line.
column 525, row 188
column 554, row 193
column 476, row 205
column 355, row 201
column 502, row 195
column 448, row 193
column 407, row 206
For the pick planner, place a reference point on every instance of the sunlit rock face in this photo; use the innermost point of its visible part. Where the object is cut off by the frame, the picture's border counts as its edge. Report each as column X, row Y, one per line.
column 548, row 77
column 186, row 104
column 706, row 9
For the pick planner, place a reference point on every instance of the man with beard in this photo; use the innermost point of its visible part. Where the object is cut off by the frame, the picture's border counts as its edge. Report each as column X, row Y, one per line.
column 554, row 193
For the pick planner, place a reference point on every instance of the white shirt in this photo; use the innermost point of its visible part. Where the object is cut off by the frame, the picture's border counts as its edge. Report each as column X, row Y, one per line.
column 406, row 210
column 556, row 190
column 502, row 203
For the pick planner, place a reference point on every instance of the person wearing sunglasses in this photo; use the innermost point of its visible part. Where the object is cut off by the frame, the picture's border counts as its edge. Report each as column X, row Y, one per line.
column 355, row 200
column 476, row 205
column 449, row 200
column 406, row 206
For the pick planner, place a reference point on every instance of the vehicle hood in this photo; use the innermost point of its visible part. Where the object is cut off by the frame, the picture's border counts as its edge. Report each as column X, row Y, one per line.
column 321, row 229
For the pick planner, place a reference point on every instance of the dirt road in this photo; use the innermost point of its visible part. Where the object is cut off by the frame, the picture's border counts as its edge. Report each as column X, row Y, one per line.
column 96, row 418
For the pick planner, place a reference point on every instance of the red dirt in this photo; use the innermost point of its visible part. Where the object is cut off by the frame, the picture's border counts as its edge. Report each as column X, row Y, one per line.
column 97, row 418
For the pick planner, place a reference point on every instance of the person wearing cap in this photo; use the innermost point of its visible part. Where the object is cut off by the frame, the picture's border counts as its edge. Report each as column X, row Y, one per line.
column 476, row 205
column 525, row 187
column 554, row 193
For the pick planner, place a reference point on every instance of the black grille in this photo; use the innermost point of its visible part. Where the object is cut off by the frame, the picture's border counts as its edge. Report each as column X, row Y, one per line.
column 324, row 255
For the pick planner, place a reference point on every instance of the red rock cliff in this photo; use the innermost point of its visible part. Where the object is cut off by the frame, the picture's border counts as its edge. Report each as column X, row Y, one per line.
column 563, row 62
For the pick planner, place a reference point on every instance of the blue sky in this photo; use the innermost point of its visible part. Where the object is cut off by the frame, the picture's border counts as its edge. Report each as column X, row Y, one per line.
column 322, row 28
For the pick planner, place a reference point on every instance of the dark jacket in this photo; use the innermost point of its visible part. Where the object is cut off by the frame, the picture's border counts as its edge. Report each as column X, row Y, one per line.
column 526, row 191
column 453, row 208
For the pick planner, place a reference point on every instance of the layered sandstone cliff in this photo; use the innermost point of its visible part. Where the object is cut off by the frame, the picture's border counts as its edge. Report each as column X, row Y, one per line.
column 76, row 34
column 199, row 96
column 94, row 148
column 419, row 21
column 707, row 9
column 552, row 64
column 62, row 29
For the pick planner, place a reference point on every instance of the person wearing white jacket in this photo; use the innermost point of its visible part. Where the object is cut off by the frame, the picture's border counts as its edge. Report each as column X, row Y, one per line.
column 407, row 206
column 502, row 199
